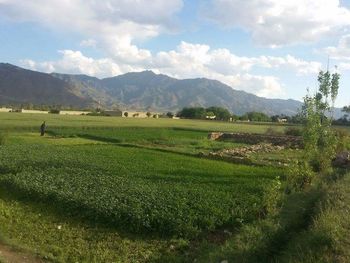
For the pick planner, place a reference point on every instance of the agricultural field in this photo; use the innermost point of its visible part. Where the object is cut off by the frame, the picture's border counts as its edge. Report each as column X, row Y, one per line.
column 128, row 190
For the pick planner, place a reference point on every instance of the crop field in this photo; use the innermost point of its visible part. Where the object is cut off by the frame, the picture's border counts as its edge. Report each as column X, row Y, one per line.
column 136, row 178
column 29, row 122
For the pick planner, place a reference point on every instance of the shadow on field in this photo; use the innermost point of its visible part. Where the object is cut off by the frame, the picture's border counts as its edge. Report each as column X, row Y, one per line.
column 70, row 211
column 265, row 241
column 99, row 138
column 204, row 178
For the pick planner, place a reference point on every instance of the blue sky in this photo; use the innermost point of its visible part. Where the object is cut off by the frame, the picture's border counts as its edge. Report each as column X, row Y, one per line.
column 271, row 48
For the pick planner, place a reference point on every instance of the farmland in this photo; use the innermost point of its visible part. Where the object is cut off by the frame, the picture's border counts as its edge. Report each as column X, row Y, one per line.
column 127, row 190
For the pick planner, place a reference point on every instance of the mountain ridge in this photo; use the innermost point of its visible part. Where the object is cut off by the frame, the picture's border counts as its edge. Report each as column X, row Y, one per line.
column 144, row 90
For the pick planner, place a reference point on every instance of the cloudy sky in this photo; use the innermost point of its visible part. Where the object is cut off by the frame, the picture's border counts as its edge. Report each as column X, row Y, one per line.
column 272, row 48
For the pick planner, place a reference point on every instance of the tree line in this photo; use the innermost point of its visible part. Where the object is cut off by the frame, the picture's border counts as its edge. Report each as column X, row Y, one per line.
column 222, row 114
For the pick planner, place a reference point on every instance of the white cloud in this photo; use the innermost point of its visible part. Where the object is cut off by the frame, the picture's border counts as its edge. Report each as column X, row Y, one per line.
column 88, row 43
column 74, row 62
column 186, row 61
column 341, row 51
column 344, row 66
column 190, row 57
column 264, row 86
column 276, row 23
column 112, row 24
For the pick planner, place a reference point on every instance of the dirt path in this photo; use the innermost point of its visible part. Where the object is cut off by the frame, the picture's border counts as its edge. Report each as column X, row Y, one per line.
column 10, row 255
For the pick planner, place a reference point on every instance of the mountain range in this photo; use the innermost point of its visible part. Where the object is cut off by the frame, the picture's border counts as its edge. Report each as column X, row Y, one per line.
column 137, row 90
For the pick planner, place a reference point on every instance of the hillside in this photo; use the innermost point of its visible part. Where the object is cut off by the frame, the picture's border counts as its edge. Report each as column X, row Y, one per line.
column 18, row 85
column 138, row 90
column 147, row 90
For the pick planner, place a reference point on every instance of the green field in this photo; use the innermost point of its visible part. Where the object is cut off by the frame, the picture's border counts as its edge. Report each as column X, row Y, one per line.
column 31, row 122
column 124, row 190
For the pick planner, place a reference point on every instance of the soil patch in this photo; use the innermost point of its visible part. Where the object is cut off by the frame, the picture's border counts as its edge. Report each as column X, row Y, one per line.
column 253, row 138
column 11, row 255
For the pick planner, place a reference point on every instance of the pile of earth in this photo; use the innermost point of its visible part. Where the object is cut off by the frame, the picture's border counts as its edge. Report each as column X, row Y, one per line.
column 246, row 151
column 252, row 138
column 342, row 160
column 244, row 154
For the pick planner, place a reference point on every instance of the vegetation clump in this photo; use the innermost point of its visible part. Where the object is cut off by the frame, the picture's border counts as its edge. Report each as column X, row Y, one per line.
column 320, row 140
column 3, row 138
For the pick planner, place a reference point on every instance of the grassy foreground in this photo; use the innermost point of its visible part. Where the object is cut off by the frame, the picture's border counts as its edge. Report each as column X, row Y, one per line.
column 124, row 190
column 101, row 189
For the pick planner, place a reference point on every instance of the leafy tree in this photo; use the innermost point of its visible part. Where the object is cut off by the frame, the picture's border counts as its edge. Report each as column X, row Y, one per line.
column 275, row 118
column 346, row 109
column 201, row 113
column 54, row 111
column 221, row 114
column 319, row 138
column 256, row 116
column 126, row 114
column 192, row 113
column 234, row 117
column 297, row 118
column 244, row 117
column 148, row 114
column 170, row 114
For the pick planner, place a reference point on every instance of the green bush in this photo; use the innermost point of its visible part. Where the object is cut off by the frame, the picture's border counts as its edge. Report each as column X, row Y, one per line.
column 293, row 131
column 54, row 111
column 299, row 176
column 272, row 197
column 343, row 141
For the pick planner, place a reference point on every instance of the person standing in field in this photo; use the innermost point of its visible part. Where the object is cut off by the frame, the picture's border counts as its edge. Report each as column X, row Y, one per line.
column 42, row 129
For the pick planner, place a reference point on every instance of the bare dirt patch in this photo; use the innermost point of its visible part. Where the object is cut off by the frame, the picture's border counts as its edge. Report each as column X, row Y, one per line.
column 11, row 255
column 252, row 138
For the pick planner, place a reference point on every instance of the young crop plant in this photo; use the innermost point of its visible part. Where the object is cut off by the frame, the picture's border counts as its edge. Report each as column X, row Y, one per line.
column 165, row 193
column 3, row 138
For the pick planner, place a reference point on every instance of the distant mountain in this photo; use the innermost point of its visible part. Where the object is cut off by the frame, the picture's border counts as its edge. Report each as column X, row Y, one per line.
column 18, row 85
column 149, row 91
column 142, row 90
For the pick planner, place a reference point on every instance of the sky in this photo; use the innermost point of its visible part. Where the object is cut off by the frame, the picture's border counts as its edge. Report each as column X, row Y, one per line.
column 271, row 48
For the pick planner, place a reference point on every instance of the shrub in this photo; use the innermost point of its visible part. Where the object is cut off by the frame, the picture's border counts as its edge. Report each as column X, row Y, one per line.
column 272, row 196
column 293, row 131
column 343, row 139
column 300, row 176
column 54, row 111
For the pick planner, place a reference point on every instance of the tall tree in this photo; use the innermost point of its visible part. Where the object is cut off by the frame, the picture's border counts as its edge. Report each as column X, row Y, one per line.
column 319, row 138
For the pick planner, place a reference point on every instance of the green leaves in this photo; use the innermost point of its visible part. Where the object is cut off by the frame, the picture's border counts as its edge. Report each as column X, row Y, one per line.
column 135, row 189
column 320, row 141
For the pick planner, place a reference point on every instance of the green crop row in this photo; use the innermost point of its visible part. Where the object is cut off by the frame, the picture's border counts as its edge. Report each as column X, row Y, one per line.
column 135, row 189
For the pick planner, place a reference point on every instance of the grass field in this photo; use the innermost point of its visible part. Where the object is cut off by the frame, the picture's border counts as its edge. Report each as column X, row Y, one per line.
column 31, row 122
column 134, row 190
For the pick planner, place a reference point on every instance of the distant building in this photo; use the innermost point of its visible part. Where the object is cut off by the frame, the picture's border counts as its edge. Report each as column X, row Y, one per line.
column 33, row 111
column 132, row 114
column 71, row 112
column 5, row 109
column 282, row 120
